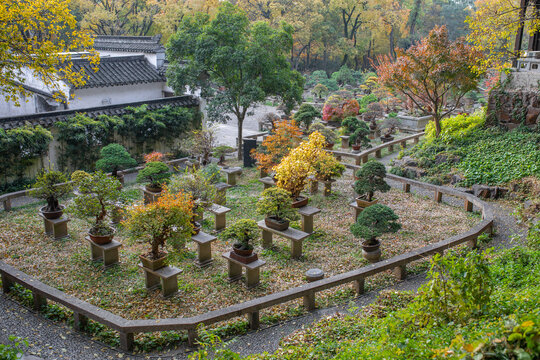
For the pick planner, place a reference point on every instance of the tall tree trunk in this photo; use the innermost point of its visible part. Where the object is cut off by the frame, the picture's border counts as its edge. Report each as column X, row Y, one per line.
column 413, row 17
column 392, row 43
column 240, row 130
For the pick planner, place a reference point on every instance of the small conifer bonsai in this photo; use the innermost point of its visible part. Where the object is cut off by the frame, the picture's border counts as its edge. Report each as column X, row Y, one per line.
column 114, row 157
column 370, row 179
column 374, row 221
column 156, row 173
column 51, row 186
column 306, row 114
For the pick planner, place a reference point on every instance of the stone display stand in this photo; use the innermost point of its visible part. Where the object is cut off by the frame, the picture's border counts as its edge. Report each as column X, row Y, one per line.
column 328, row 186
column 313, row 187
column 314, row 274
column 252, row 270
column 357, row 209
column 307, row 213
column 345, row 142
column 204, row 249
column 220, row 213
column 295, row 236
column 108, row 253
column 268, row 182
column 149, row 196
column 167, row 276
column 221, row 189
column 231, row 174
column 57, row 228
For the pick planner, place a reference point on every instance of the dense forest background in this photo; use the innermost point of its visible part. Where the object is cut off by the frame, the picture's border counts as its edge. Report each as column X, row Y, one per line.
column 327, row 33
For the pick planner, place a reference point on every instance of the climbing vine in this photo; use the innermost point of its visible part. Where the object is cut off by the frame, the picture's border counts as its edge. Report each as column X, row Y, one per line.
column 20, row 147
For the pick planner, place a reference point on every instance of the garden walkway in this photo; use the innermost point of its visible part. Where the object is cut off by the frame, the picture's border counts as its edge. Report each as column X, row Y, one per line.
column 51, row 341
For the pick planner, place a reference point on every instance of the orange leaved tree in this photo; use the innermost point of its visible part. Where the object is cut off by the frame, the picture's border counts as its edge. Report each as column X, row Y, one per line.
column 286, row 136
column 432, row 72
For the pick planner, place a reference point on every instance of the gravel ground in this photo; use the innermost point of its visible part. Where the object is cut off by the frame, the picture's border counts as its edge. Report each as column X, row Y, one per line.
column 52, row 341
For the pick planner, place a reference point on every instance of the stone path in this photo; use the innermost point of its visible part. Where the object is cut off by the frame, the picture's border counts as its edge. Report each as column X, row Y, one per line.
column 52, row 341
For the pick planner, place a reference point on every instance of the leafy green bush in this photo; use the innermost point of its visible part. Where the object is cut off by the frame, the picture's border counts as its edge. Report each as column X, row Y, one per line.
column 13, row 351
column 456, row 127
column 305, row 115
column 19, row 148
column 366, row 100
column 320, row 77
column 114, row 157
column 276, row 202
column 50, row 186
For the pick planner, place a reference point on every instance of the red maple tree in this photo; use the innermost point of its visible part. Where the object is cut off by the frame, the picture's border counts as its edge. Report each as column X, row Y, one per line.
column 431, row 72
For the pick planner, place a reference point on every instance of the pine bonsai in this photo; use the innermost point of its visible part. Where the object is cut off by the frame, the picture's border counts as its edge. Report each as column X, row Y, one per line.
column 306, row 114
column 374, row 221
column 244, row 232
column 370, row 179
column 50, row 186
column 114, row 157
column 155, row 172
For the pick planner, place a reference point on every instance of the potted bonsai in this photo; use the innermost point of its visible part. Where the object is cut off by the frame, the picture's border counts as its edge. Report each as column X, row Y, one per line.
column 306, row 114
column 374, row 221
column 327, row 167
column 220, row 153
column 243, row 233
column 370, row 179
column 76, row 178
column 96, row 200
column 329, row 135
column 114, row 157
column 390, row 125
column 155, row 173
column 51, row 186
column 275, row 204
column 166, row 220
column 359, row 137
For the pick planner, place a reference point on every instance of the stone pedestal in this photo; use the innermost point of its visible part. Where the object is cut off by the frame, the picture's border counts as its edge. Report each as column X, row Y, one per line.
column 268, row 182
column 167, row 276
column 204, row 249
column 57, row 228
column 252, row 270
column 344, row 142
column 220, row 213
column 232, row 173
column 295, row 236
column 307, row 213
column 108, row 253
column 149, row 196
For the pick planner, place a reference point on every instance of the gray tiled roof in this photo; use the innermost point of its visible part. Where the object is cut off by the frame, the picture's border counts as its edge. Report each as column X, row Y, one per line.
column 118, row 71
column 145, row 44
column 47, row 119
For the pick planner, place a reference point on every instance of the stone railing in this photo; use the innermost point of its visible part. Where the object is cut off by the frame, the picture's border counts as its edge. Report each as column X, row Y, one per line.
column 127, row 328
column 6, row 199
column 363, row 156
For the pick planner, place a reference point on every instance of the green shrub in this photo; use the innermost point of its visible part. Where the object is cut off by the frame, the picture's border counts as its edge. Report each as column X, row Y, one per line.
column 276, row 202
column 114, row 157
column 156, row 173
column 305, row 115
column 50, row 186
column 366, row 100
column 456, row 127
column 13, row 350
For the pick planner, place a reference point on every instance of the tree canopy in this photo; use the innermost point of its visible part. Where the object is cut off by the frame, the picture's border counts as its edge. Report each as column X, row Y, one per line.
column 235, row 63
column 35, row 40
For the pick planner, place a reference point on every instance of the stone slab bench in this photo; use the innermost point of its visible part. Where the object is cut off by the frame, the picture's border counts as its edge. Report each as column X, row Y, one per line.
column 57, row 228
column 167, row 275
column 295, row 236
column 252, row 270
column 220, row 213
column 268, row 182
column 204, row 249
column 221, row 189
column 307, row 212
column 232, row 173
column 108, row 253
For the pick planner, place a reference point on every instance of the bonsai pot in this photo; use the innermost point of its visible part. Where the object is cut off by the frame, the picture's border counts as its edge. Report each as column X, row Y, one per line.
column 241, row 252
column 300, row 201
column 356, row 147
column 386, row 139
column 153, row 264
column 371, row 252
column 244, row 256
column 196, row 228
column 101, row 239
column 329, row 146
column 276, row 224
column 120, row 177
column 153, row 188
column 364, row 203
column 51, row 215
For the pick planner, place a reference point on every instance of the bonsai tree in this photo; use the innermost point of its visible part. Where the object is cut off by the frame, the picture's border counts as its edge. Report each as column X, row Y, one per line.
column 153, row 156
column 156, row 173
column 329, row 135
column 98, row 194
column 374, row 221
column 78, row 175
column 212, row 173
column 284, row 137
column 350, row 124
column 202, row 144
column 327, row 167
column 220, row 153
column 243, row 232
column 197, row 184
column 390, row 124
column 51, row 186
column 306, row 114
column 370, row 179
column 340, row 106
column 293, row 171
column 358, row 131
column 320, row 91
column 167, row 219
column 276, row 203
column 114, row 157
